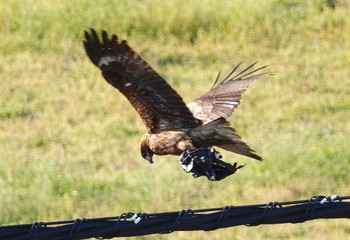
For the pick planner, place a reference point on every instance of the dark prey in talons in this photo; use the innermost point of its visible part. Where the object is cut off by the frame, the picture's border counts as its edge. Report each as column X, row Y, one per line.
column 206, row 162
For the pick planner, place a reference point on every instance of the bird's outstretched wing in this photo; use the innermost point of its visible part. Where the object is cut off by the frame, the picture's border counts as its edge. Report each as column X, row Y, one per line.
column 159, row 105
column 225, row 96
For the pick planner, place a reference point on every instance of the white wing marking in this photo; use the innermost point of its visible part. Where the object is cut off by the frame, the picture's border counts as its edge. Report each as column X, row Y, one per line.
column 106, row 61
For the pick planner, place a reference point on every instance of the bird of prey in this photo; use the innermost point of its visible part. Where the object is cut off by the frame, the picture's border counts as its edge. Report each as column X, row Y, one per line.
column 172, row 126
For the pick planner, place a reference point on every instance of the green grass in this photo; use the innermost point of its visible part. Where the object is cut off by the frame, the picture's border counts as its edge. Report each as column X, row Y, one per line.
column 69, row 142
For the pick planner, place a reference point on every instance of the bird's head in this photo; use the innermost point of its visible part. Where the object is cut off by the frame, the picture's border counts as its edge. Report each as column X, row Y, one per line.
column 146, row 152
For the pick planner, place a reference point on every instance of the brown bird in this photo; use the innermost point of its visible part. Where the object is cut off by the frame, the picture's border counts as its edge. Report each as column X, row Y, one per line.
column 172, row 126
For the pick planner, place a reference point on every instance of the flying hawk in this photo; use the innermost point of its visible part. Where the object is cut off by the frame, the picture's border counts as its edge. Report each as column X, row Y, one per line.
column 172, row 126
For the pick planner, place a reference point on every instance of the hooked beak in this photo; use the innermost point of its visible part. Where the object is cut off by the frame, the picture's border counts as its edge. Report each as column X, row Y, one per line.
column 148, row 155
column 146, row 152
column 149, row 158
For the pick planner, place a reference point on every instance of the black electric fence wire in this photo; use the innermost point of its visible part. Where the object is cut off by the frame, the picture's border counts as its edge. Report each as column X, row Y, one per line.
column 131, row 224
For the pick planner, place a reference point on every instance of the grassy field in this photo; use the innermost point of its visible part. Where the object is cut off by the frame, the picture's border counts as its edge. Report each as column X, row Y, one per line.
column 69, row 142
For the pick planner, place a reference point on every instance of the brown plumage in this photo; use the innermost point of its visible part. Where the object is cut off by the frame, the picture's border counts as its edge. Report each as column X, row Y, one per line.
column 172, row 127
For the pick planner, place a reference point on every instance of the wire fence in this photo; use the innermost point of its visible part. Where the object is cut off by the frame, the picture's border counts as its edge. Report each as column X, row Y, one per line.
column 137, row 224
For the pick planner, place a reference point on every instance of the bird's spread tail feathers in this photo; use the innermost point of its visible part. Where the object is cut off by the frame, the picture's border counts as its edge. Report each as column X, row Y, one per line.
column 219, row 133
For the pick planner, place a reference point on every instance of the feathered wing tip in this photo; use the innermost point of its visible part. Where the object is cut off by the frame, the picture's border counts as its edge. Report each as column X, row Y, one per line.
column 216, row 80
column 97, row 47
column 244, row 74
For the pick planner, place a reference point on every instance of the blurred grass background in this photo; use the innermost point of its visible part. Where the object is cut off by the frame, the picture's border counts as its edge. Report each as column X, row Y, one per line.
column 69, row 142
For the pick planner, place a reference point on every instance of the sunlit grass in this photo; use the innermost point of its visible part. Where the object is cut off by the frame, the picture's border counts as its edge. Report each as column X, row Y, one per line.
column 69, row 142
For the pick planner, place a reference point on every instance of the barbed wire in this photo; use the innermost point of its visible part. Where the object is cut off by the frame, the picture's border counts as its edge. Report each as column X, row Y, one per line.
column 137, row 224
